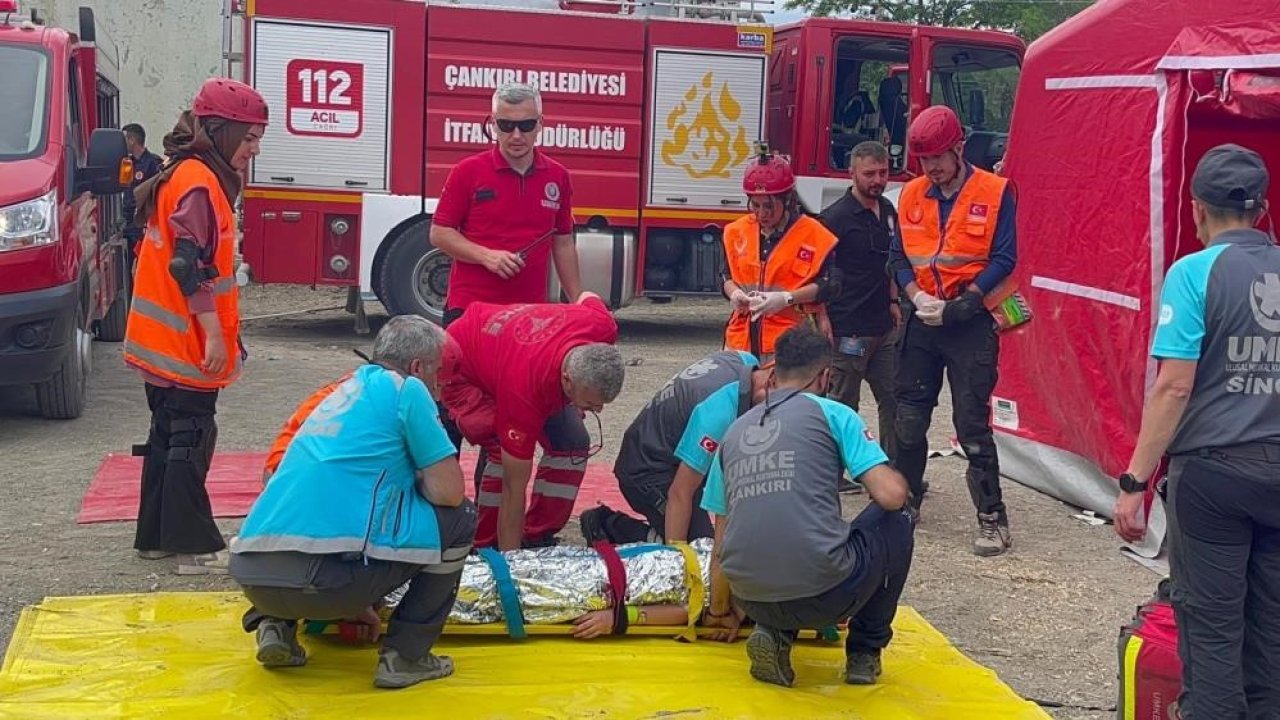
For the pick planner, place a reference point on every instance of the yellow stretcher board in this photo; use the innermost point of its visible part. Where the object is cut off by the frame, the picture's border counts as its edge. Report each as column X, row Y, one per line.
column 184, row 655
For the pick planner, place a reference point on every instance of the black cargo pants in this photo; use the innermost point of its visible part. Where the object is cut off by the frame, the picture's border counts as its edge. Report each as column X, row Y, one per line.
column 647, row 495
column 1224, row 552
column 174, row 514
column 969, row 353
column 884, row 542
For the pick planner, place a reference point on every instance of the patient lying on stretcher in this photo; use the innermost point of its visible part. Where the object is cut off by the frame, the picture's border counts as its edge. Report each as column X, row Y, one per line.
column 570, row 586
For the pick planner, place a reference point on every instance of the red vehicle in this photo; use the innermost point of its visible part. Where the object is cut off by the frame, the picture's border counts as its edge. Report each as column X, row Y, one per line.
column 63, row 268
column 655, row 107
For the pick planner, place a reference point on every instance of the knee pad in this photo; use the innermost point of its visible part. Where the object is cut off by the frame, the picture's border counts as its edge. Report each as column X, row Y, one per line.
column 911, row 424
column 189, row 438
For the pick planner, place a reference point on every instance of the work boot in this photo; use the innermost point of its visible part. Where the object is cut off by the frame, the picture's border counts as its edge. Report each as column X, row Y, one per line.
column 592, row 523
column 214, row 563
column 278, row 644
column 862, row 667
column 545, row 541
column 993, row 535
column 770, row 654
column 397, row 672
column 154, row 554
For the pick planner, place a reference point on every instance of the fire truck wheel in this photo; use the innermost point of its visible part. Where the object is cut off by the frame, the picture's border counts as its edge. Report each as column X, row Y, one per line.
column 112, row 325
column 62, row 397
column 415, row 276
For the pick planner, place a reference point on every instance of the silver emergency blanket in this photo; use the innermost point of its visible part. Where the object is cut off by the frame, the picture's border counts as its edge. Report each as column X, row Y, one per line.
column 558, row 584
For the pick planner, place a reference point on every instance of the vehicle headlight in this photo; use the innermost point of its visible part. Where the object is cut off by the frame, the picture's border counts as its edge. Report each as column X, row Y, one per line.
column 29, row 224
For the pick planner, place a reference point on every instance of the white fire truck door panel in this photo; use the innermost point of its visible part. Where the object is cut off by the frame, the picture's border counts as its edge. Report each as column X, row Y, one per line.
column 329, row 89
column 708, row 113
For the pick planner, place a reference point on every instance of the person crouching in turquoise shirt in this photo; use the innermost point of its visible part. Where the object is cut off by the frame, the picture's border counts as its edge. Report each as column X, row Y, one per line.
column 368, row 496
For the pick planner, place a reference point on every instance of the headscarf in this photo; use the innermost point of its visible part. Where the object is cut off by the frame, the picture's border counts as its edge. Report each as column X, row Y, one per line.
column 211, row 140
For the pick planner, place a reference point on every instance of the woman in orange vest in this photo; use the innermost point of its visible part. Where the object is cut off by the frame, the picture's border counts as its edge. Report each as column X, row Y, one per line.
column 957, row 243
column 779, row 262
column 183, row 335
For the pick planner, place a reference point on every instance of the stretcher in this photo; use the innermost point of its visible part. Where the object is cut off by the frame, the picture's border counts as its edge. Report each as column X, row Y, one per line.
column 541, row 591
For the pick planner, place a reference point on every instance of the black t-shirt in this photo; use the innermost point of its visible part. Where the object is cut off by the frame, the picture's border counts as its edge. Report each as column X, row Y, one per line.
column 862, row 253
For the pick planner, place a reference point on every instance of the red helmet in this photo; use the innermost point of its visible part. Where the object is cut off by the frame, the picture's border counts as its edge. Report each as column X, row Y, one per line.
column 769, row 175
column 230, row 99
column 934, row 131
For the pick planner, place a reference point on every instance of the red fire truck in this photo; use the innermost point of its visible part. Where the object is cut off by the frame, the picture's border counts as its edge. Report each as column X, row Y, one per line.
column 654, row 106
column 64, row 269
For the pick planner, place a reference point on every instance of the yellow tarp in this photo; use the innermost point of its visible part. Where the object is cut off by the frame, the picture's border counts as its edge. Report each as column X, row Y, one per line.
column 183, row 655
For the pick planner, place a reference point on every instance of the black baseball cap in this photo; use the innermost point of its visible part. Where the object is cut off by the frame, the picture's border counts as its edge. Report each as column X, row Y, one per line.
column 1231, row 176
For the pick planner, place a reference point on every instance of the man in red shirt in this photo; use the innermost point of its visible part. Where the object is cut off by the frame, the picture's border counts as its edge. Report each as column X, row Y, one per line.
column 505, row 213
column 519, row 375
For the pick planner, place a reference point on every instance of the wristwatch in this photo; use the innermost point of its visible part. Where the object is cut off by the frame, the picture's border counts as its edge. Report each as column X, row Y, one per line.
column 1130, row 484
column 791, row 299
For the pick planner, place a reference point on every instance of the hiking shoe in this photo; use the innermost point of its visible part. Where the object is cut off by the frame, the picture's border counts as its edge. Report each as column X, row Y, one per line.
column 396, row 672
column 849, row 487
column 993, row 535
column 154, row 554
column 862, row 668
column 770, row 654
column 592, row 523
column 214, row 563
column 278, row 644
column 913, row 514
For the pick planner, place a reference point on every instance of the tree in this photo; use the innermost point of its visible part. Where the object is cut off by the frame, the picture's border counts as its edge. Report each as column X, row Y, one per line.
column 1028, row 18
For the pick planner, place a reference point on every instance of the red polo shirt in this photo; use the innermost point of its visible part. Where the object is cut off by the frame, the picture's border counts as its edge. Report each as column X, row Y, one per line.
column 513, row 354
column 494, row 206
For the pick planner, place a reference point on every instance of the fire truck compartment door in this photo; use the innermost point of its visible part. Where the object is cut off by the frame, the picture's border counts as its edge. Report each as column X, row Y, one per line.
column 708, row 112
column 328, row 87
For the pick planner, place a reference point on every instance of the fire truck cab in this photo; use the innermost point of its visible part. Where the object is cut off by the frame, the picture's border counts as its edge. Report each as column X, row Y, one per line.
column 654, row 106
column 64, row 269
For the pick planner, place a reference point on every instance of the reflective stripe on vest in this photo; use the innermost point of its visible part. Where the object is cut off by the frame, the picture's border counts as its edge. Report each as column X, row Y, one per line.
column 167, row 367
column 147, row 308
column 162, row 337
column 945, row 262
column 794, row 262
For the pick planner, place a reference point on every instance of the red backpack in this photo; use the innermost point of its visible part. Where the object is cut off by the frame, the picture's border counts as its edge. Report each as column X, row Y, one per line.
column 1150, row 671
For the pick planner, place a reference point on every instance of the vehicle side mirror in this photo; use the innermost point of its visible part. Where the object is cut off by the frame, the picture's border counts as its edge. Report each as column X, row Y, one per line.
column 110, row 168
column 977, row 108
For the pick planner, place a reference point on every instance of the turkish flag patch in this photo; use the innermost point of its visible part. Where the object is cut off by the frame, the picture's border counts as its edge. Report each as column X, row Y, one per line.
column 805, row 254
column 979, row 211
column 515, row 435
column 708, row 444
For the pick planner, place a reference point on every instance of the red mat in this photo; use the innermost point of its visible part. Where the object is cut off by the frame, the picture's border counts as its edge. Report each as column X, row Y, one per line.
column 235, row 479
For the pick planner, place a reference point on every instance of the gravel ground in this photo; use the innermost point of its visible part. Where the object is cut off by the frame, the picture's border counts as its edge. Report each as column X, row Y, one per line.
column 1045, row 616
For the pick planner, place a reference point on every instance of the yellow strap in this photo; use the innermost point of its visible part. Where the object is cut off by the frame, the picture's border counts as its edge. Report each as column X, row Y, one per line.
column 1131, row 676
column 697, row 591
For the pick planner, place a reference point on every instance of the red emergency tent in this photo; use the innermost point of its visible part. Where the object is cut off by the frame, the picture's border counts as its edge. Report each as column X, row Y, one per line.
column 1114, row 109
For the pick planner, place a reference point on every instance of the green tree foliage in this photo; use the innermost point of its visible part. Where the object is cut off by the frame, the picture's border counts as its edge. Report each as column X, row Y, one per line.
column 1028, row 18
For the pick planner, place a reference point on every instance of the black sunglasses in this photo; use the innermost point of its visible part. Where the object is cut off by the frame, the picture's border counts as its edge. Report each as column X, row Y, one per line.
column 526, row 126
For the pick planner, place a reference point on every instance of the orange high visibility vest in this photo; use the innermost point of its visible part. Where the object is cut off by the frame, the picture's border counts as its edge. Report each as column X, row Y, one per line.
column 944, row 266
column 295, row 421
column 794, row 263
column 162, row 336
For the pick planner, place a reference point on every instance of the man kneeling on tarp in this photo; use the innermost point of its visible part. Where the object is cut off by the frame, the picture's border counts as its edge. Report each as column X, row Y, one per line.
column 780, row 541
column 368, row 496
